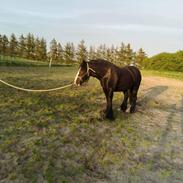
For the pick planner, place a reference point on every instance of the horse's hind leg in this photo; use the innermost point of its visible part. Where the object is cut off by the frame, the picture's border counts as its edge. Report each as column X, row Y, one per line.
column 133, row 99
column 125, row 101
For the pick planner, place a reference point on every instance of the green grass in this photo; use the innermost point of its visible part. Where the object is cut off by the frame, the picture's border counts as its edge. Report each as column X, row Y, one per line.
column 169, row 74
column 62, row 136
column 59, row 136
column 22, row 62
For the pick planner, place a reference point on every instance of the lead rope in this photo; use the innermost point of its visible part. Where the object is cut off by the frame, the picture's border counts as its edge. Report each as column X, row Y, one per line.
column 32, row 90
column 44, row 90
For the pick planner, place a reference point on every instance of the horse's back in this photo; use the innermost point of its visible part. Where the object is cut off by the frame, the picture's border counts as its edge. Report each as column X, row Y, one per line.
column 135, row 73
column 128, row 77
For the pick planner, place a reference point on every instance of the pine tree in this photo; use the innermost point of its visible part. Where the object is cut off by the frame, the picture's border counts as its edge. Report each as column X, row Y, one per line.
column 98, row 52
column 82, row 52
column 60, row 53
column 133, row 60
column 112, row 54
column 102, row 52
column 91, row 53
column 40, row 49
column 30, row 46
column 37, row 50
column 5, row 45
column 73, row 57
column 121, row 54
column 140, row 56
column 13, row 46
column 53, row 50
column 69, row 52
column 128, row 54
column 116, row 50
column 108, row 54
column 1, row 44
column 43, row 49
column 22, row 47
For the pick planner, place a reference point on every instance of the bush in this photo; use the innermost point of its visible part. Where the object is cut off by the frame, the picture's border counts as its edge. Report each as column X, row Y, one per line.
column 165, row 61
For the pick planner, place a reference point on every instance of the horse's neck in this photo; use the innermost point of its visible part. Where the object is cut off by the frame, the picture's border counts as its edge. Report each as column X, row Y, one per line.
column 96, row 71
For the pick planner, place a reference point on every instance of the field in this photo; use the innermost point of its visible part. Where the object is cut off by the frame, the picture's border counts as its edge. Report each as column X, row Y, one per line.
column 62, row 137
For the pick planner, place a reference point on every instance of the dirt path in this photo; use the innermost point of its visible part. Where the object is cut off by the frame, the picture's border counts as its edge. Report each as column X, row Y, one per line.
column 159, row 156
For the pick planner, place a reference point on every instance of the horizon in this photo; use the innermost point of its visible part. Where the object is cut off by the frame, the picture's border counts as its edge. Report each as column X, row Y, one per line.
column 147, row 25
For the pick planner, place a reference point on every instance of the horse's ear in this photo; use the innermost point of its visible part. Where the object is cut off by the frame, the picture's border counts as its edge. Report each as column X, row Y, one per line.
column 84, row 62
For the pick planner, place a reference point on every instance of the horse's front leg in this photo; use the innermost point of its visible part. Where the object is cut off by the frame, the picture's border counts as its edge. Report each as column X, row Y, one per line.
column 109, row 97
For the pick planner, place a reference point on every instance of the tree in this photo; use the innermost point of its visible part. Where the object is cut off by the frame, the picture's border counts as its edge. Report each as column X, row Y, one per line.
column 40, row 49
column 81, row 52
column 102, row 52
column 108, row 54
column 30, row 46
column 5, row 45
column 13, row 46
column 69, row 52
column 1, row 44
column 22, row 47
column 128, row 54
column 60, row 53
column 140, row 56
column 37, row 50
column 43, row 49
column 121, row 54
column 53, row 50
column 112, row 53
column 91, row 53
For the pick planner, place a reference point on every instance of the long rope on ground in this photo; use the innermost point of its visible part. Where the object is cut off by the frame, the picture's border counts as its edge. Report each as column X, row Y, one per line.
column 32, row 90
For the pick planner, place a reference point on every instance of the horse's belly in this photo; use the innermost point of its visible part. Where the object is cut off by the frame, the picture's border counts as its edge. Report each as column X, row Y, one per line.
column 123, row 87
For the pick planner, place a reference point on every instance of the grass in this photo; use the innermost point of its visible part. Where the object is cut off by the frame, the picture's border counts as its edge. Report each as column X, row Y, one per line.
column 58, row 136
column 169, row 74
column 22, row 62
column 61, row 136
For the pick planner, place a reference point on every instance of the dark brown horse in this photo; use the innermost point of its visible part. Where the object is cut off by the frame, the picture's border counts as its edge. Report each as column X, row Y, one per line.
column 112, row 79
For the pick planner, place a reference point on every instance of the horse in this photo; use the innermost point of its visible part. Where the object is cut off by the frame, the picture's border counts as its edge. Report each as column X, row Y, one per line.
column 112, row 79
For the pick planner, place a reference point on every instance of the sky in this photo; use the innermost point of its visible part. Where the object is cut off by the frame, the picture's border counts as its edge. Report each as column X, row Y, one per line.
column 154, row 25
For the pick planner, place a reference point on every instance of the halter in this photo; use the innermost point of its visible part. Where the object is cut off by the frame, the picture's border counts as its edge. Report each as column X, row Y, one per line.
column 88, row 69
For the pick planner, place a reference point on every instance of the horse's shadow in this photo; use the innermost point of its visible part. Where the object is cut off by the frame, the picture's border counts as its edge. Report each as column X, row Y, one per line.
column 152, row 93
column 160, row 156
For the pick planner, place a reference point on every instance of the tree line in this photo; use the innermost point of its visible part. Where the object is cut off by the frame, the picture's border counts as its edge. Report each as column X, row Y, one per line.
column 35, row 48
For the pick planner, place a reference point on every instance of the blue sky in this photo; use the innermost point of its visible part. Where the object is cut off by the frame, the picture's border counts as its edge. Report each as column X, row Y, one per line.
column 155, row 25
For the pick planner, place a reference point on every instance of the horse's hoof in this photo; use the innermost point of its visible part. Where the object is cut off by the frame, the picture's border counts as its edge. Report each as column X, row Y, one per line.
column 132, row 110
column 123, row 108
column 110, row 117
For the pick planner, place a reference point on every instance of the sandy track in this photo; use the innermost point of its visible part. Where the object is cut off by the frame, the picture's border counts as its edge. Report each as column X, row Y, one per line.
column 159, row 157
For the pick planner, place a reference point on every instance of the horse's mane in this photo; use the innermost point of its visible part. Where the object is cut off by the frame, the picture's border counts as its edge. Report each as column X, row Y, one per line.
column 102, row 61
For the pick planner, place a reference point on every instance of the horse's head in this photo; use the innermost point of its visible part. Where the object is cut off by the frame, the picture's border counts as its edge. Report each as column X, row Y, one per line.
column 82, row 74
